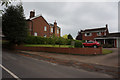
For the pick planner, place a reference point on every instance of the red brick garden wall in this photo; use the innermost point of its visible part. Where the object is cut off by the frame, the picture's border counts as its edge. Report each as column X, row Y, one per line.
column 63, row 50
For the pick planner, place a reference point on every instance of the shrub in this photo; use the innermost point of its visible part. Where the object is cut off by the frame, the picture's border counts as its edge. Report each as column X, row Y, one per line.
column 107, row 46
column 68, row 41
column 78, row 44
column 35, row 40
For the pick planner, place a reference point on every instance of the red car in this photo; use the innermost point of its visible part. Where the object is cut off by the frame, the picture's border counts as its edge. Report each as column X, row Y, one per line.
column 94, row 44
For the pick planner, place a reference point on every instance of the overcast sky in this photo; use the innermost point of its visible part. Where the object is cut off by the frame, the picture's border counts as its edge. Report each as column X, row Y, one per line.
column 74, row 16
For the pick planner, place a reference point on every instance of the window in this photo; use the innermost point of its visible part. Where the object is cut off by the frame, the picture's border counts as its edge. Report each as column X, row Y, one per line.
column 35, row 34
column 88, row 34
column 52, row 30
column 105, row 34
column 57, row 31
column 45, row 35
column 99, row 33
column 90, row 41
column 45, row 28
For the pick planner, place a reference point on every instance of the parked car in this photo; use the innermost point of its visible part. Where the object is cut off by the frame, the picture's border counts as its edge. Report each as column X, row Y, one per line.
column 94, row 44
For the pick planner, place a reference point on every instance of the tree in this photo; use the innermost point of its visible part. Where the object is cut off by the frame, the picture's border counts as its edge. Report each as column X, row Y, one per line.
column 65, row 36
column 14, row 24
column 70, row 36
column 6, row 2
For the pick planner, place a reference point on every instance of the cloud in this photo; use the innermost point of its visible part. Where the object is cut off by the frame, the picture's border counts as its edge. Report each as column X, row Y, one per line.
column 73, row 16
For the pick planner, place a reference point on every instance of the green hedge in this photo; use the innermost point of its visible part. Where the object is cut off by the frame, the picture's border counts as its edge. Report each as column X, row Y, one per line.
column 52, row 41
column 43, row 40
column 78, row 44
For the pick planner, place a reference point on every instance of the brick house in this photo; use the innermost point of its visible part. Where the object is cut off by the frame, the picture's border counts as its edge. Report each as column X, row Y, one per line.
column 38, row 26
column 101, row 35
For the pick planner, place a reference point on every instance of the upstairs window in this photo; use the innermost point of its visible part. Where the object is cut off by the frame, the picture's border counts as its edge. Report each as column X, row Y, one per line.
column 35, row 34
column 98, row 33
column 88, row 34
column 45, row 28
column 57, row 31
column 105, row 34
column 52, row 30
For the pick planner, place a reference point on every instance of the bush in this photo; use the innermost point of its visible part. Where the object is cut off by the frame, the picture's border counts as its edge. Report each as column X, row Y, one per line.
column 68, row 41
column 43, row 40
column 78, row 44
column 52, row 40
column 108, row 46
column 35, row 40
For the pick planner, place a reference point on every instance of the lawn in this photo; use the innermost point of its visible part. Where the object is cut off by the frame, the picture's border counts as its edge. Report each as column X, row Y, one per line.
column 36, row 45
column 106, row 51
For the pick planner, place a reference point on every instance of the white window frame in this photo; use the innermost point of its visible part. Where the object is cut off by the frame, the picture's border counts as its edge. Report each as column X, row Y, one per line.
column 52, row 29
column 105, row 34
column 45, row 28
column 98, row 33
column 88, row 35
column 35, row 33
column 57, row 31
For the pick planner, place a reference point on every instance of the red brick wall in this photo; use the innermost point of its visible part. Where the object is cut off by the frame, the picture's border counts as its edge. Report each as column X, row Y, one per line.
column 63, row 50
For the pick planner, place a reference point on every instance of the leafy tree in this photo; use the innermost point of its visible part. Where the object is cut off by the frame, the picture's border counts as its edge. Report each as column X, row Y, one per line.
column 14, row 24
column 65, row 36
column 6, row 2
column 78, row 44
column 53, row 39
column 70, row 36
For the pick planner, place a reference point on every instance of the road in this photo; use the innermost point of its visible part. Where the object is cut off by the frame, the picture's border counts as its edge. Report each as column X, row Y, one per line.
column 26, row 67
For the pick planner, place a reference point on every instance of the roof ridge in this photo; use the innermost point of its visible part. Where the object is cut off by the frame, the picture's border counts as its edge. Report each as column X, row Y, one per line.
column 96, row 28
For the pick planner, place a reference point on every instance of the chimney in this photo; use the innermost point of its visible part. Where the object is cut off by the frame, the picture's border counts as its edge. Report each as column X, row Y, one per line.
column 106, row 25
column 55, row 24
column 32, row 13
column 55, row 28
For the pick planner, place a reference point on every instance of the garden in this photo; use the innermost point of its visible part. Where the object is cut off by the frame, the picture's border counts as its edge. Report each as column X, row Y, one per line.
column 53, row 41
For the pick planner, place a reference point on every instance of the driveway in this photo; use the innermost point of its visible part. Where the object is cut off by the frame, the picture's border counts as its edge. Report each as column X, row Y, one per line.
column 107, row 60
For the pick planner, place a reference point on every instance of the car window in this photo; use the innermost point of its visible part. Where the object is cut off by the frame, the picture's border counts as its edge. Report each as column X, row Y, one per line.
column 90, row 42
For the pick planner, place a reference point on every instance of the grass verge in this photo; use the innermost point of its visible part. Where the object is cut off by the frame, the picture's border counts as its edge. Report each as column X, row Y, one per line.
column 36, row 45
column 106, row 51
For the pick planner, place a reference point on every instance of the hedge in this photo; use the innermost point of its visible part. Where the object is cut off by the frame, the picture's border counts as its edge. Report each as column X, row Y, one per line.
column 52, row 41
column 78, row 44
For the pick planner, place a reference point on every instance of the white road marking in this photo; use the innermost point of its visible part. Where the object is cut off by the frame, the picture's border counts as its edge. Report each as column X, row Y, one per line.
column 10, row 72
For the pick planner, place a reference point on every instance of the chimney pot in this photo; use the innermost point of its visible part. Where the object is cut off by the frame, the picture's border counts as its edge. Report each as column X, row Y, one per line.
column 106, row 25
column 32, row 13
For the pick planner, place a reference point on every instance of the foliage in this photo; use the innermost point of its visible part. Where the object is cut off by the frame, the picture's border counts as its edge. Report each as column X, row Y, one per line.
column 14, row 24
column 83, row 41
column 35, row 40
column 70, row 36
column 107, row 46
column 5, row 2
column 78, row 44
column 54, row 39
column 65, row 36
column 68, row 41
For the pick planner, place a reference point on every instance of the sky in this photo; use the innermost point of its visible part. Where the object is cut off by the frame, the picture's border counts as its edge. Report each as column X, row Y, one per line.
column 74, row 16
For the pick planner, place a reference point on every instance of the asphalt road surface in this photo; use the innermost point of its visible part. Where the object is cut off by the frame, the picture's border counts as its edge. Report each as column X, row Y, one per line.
column 26, row 67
